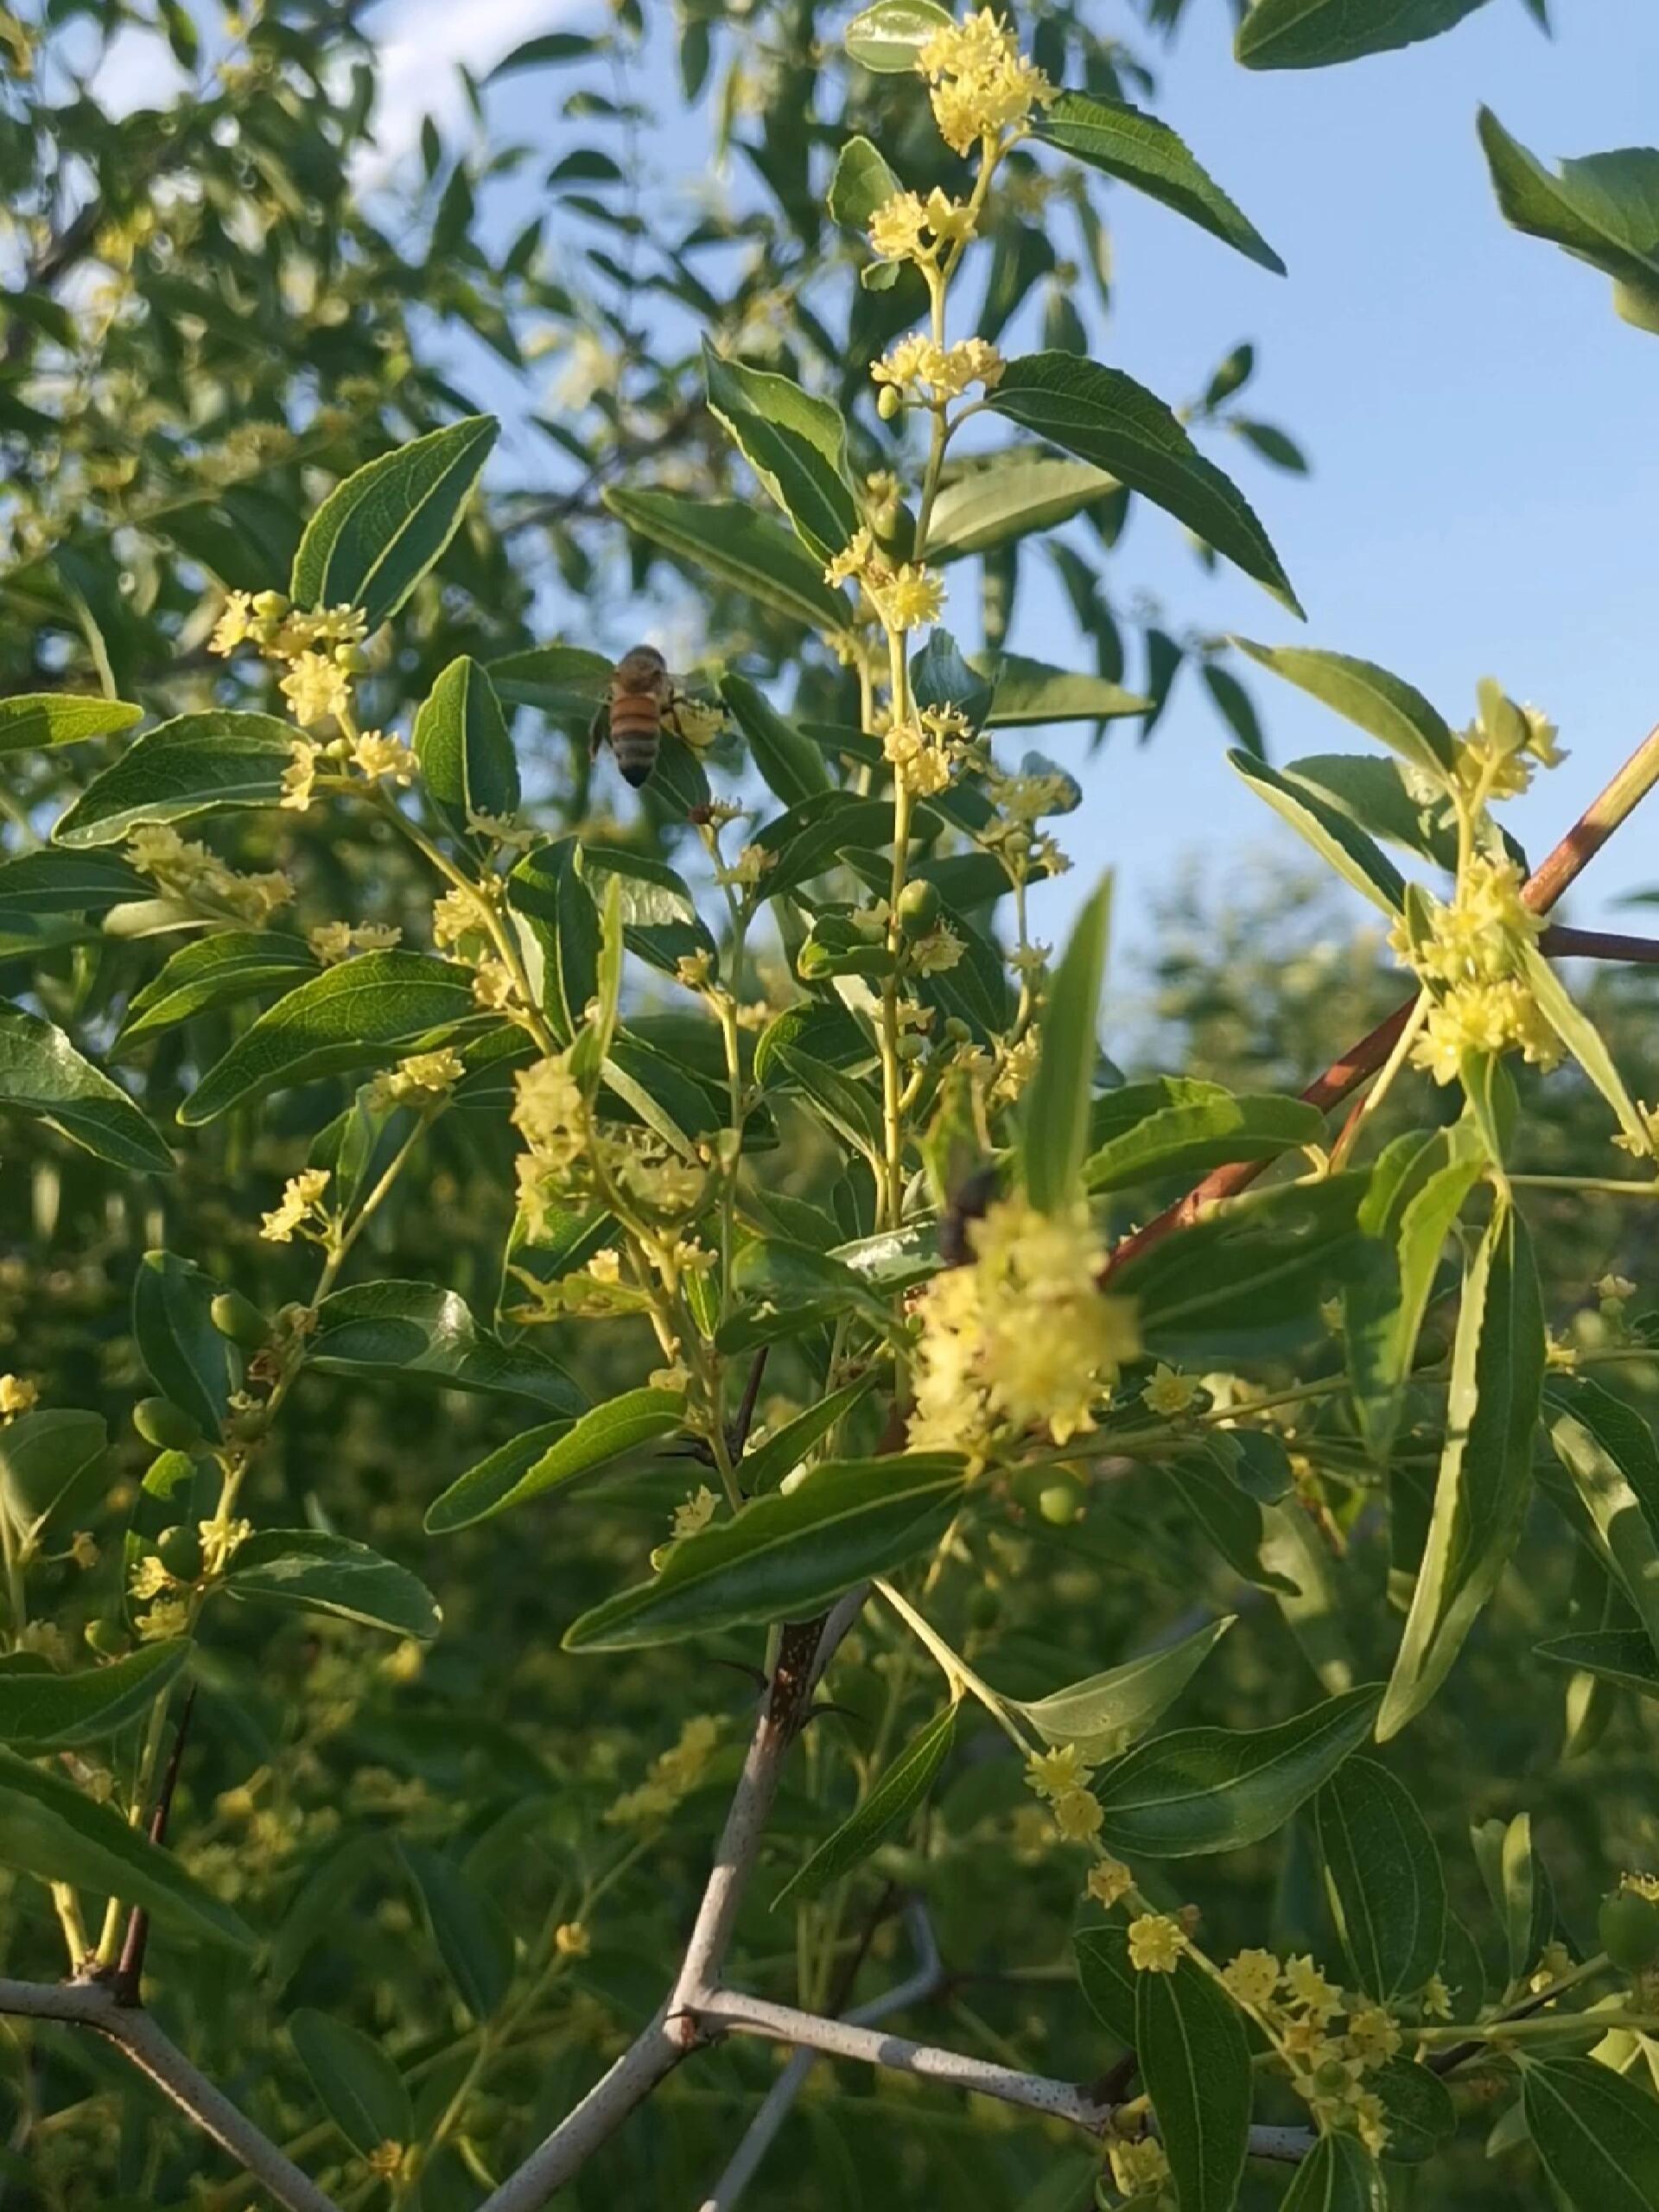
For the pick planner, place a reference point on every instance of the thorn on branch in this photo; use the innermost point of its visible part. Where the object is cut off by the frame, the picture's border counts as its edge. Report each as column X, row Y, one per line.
column 127, row 1980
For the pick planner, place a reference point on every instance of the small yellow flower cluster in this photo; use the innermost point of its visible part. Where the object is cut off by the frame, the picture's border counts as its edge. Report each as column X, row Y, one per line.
column 1471, row 961
column 744, row 873
column 457, row 916
column 424, row 1080
column 571, row 1940
column 1140, row 2167
column 693, row 1515
column 376, row 757
column 906, row 598
column 550, row 1114
column 1502, row 747
column 1626, row 1140
column 300, row 1212
column 336, row 941
column 982, row 87
column 167, row 1618
column 1169, row 1392
column 695, row 970
column 1299, row 2008
column 673, row 1777
column 1021, row 1336
column 190, row 872
column 322, row 650
column 1156, row 1943
column 1109, row 1882
column 18, row 1395
column 1060, row 1778
column 937, row 953
column 385, row 2161
column 220, row 1542
column 908, row 228
column 931, row 373
column 924, row 752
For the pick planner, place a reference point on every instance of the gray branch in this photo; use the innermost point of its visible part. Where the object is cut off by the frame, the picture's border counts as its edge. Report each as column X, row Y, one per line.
column 92, row 2005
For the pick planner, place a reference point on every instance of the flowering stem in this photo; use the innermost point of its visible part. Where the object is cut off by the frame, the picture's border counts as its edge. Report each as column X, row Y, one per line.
column 1609, row 1185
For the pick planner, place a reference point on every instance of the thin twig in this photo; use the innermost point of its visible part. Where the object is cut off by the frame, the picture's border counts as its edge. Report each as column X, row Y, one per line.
column 129, row 1972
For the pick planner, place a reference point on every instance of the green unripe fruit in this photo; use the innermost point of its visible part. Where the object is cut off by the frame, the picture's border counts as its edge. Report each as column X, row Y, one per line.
column 166, row 1426
column 1333, row 2077
column 249, row 1426
column 1629, row 1927
column 895, row 527
column 107, row 1639
column 240, row 1319
column 888, row 403
column 180, row 1552
column 1060, row 1503
column 918, row 908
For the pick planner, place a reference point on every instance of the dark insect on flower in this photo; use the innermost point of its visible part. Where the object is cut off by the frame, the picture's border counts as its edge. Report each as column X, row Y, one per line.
column 968, row 1203
column 642, row 697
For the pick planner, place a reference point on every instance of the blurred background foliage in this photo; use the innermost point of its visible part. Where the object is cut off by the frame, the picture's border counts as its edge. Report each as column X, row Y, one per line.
column 215, row 305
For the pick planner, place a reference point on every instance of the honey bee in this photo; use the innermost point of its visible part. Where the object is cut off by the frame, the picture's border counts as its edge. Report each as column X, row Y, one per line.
column 643, row 696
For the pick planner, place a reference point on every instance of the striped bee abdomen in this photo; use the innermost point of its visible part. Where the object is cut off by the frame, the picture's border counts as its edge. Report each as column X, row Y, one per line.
column 636, row 735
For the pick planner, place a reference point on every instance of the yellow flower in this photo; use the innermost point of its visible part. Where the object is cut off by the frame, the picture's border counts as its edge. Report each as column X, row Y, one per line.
column 1613, row 1290
column 1109, row 1882
column 379, row 757
column 17, row 1395
column 333, row 941
column 385, row 2161
column 168, row 1616
column 494, row 986
column 1436, row 2000
column 934, row 374
column 855, row 559
column 548, row 1111
column 605, row 1266
column 220, row 1541
column 1371, row 2121
column 937, row 952
column 1078, row 1815
column 1252, row 1978
column 1372, row 2037
column 896, row 228
column 1169, row 1392
column 421, row 1080
column 301, row 1211
column 571, row 1940
column 234, row 625
column 459, row 913
column 695, row 970
column 1155, row 1943
column 1139, row 2164
column 317, row 689
column 982, row 85
column 746, row 870
column 696, row 1513
column 924, row 769
column 1490, row 1018
column 1627, row 1141
column 299, row 778
column 1308, row 1987
column 1052, row 1774
column 83, row 1548
column 149, row 1579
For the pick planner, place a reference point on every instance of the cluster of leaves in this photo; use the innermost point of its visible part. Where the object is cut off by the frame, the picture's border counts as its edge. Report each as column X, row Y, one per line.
column 871, row 1145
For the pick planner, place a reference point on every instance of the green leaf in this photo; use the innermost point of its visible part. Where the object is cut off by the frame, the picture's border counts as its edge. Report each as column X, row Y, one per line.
column 1608, row 1449
column 1177, row 1126
column 53, row 1831
column 461, row 742
column 1419, row 1191
column 567, row 682
column 847, row 1106
column 1312, row 34
column 1055, row 1134
column 55, row 1713
column 1596, row 2134
column 218, row 970
column 1029, row 691
column 1195, row 2061
column 1205, row 1789
column 361, row 2090
column 1339, row 2175
column 888, row 37
column 765, row 1465
column 1206, row 1483
column 796, row 444
column 195, row 764
column 1105, row 1713
column 312, row 1573
column 940, row 677
column 188, row 1359
column 1338, row 841
column 1109, row 1982
column 1003, row 496
column 472, row 1936
column 1373, row 793
column 1603, row 209
column 1585, row 1043
column 741, row 547
column 660, row 922
column 784, row 1557
column 43, row 1074
column 364, row 1013
column 862, row 182
column 1485, row 1476
column 1622, row 1655
column 376, row 535
column 1387, row 1887
column 790, row 766
column 1141, row 151
column 1384, row 705
column 1417, row 2104
column 902, row 1787
column 418, row 1332
column 32, row 718
column 48, row 1458
column 559, row 931
column 53, row 881
column 1103, row 415
column 551, row 1457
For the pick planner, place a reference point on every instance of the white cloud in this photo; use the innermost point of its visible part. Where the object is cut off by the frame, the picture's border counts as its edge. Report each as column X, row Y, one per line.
column 420, row 43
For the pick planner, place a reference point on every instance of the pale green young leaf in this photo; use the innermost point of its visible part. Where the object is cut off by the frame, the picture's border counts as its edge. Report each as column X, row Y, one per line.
column 1485, row 1474
column 1313, row 34
column 363, row 1013
column 360, row 2089
column 1603, row 209
column 1105, row 1713
column 44, row 1076
column 1175, row 1125
column 1585, row 1043
column 1103, row 416
column 311, row 1571
column 1384, row 705
column 1195, row 2061
column 997, row 498
column 1609, row 1451
column 785, row 1556
column 764, row 1465
column 795, row 443
column 420, row 1332
column 378, row 534
column 34, row 718
column 1338, row 840
column 1596, row 2134
column 1387, row 1887
column 1146, row 153
column 555, row 1455
column 46, row 1712
column 888, row 37
column 900, row 1789
column 861, row 183
column 1055, row 1134
column 1205, row 1789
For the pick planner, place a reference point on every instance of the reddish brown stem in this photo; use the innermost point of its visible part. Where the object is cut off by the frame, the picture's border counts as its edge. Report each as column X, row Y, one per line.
column 1542, row 889
column 130, row 1972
